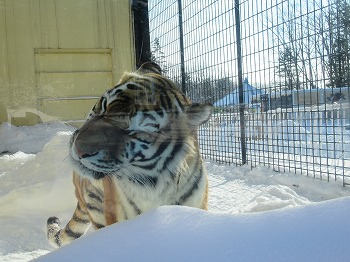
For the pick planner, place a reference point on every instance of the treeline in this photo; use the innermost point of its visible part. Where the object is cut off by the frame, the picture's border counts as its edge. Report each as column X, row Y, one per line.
column 315, row 46
column 310, row 42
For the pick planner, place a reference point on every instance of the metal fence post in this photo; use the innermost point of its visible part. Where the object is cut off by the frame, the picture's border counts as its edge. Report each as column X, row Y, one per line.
column 142, row 35
column 182, row 50
column 240, row 82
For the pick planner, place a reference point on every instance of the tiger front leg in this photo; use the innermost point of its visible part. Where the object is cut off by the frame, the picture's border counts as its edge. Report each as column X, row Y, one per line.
column 75, row 228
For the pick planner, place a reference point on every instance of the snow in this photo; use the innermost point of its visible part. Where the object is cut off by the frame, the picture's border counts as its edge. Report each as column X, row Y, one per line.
column 254, row 214
column 187, row 234
column 249, row 93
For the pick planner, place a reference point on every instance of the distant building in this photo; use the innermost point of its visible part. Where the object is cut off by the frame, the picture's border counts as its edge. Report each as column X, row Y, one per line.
column 250, row 97
column 310, row 97
column 257, row 98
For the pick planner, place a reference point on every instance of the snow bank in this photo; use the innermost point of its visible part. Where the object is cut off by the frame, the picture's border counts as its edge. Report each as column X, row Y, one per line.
column 240, row 189
column 43, row 183
column 28, row 139
column 186, row 234
column 32, row 188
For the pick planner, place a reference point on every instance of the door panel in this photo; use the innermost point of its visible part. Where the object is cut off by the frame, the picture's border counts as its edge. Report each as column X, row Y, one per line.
column 67, row 77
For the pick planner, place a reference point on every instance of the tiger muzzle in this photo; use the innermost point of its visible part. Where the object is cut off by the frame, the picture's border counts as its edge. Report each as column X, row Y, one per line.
column 100, row 135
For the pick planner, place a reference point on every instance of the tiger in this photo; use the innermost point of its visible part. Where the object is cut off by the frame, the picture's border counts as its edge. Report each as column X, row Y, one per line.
column 137, row 150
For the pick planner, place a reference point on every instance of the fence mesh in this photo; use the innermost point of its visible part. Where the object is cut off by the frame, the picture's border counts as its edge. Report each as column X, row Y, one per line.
column 277, row 72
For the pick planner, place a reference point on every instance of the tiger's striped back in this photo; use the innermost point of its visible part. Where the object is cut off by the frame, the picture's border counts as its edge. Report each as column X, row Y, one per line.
column 137, row 151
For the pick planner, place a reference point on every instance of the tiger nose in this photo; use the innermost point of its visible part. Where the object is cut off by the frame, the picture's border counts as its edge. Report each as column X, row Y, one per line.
column 92, row 138
column 88, row 144
column 99, row 135
column 83, row 154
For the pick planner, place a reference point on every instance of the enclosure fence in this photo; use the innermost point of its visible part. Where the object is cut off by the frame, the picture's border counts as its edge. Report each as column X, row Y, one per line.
column 276, row 71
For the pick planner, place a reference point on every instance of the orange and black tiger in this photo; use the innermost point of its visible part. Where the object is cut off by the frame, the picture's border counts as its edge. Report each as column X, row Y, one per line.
column 137, row 150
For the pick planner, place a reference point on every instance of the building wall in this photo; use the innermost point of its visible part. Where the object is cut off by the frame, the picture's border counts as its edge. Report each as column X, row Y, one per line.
column 311, row 97
column 57, row 57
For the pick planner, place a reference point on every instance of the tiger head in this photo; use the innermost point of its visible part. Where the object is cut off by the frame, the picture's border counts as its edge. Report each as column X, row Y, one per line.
column 141, row 122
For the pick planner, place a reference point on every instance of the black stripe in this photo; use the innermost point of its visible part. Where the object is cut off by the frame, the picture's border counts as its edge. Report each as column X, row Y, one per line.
column 164, row 98
column 71, row 233
column 156, row 126
column 141, row 140
column 142, row 81
column 179, row 102
column 93, row 208
column 124, row 211
column 194, row 187
column 164, row 103
column 97, row 175
column 144, row 146
column 80, row 220
column 176, row 92
column 136, row 208
column 94, row 196
column 168, row 103
column 160, row 113
column 122, row 97
column 148, row 166
column 116, row 91
column 132, row 145
column 176, row 148
column 98, row 226
column 133, row 87
column 109, row 91
column 148, row 115
column 81, row 209
column 139, row 154
column 58, row 239
column 162, row 147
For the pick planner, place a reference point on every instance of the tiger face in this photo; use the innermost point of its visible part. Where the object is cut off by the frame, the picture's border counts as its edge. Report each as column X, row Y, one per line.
column 139, row 124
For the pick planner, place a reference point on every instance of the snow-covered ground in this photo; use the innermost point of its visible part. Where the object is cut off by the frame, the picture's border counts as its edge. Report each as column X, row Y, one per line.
column 311, row 140
column 254, row 215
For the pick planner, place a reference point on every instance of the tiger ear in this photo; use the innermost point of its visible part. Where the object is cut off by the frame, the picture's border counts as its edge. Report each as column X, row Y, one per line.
column 150, row 67
column 198, row 114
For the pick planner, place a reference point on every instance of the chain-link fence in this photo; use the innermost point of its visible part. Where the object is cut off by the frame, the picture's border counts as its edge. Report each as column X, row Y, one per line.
column 277, row 72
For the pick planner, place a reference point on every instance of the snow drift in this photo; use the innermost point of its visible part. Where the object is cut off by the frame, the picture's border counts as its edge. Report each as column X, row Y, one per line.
column 187, row 234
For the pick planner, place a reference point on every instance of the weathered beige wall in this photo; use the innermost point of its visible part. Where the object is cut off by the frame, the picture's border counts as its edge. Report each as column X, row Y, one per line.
column 58, row 56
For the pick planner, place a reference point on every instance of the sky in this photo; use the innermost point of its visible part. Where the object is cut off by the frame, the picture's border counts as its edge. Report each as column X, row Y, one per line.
column 210, row 35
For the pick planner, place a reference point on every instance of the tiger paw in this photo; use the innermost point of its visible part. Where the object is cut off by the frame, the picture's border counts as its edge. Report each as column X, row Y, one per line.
column 53, row 220
column 53, row 228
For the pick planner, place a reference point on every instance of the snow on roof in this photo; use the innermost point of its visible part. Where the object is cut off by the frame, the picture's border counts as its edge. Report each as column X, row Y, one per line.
column 249, row 93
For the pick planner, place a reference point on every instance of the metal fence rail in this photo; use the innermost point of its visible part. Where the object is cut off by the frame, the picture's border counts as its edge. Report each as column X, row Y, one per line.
column 277, row 72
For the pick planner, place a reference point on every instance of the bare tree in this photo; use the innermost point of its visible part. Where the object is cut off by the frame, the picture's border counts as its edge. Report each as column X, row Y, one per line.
column 313, row 45
column 158, row 56
column 296, row 52
column 334, row 32
column 287, row 69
